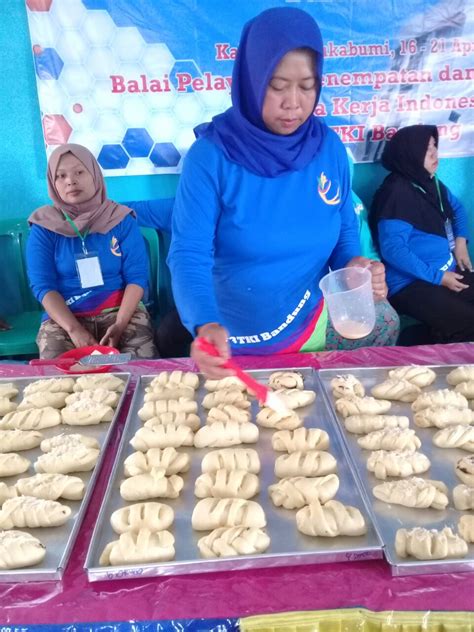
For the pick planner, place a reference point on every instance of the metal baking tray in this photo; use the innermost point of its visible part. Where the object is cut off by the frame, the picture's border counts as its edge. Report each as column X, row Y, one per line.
column 288, row 546
column 60, row 540
column 388, row 518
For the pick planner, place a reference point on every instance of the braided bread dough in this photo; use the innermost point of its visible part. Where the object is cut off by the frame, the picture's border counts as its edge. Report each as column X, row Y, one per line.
column 18, row 440
column 50, row 385
column 153, row 484
column 443, row 417
column 330, row 520
column 465, row 470
column 295, row 398
column 19, row 549
column 230, row 541
column 232, row 382
column 455, row 437
column 8, row 390
column 172, row 461
column 347, row 406
column 6, row 492
column 231, row 459
column 211, row 513
column 12, row 464
column 463, row 497
column 269, row 418
column 466, row 528
column 461, row 374
column 67, row 458
column 175, row 378
column 398, row 390
column 227, row 484
column 418, row 493
column 139, row 547
column 300, row 440
column 390, row 439
column 99, row 395
column 419, row 375
column 169, row 436
column 362, row 424
column 152, row 516
column 466, row 389
column 347, row 386
column 286, row 379
column 429, row 544
column 153, row 409
column 222, row 434
column 91, row 382
column 443, row 397
column 311, row 463
column 70, row 440
column 29, row 512
column 178, row 419
column 86, row 412
column 51, row 486
column 385, row 463
column 32, row 419
column 235, row 397
column 43, row 399
column 296, row 491
column 228, row 412
column 6, row 406
column 167, row 392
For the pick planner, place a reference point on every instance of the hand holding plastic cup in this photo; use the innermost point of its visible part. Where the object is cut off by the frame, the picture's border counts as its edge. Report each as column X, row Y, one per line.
column 350, row 302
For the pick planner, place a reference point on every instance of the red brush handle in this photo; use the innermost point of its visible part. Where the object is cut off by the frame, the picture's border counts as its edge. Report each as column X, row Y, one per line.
column 65, row 362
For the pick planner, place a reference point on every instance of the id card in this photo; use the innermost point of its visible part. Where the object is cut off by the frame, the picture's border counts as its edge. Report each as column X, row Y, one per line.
column 89, row 271
column 448, row 227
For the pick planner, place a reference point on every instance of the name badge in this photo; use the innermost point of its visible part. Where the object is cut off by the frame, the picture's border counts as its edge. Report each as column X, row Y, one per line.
column 89, row 271
column 448, row 227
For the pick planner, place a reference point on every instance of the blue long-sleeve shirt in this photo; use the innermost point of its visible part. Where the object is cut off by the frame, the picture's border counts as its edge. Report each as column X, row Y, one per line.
column 153, row 213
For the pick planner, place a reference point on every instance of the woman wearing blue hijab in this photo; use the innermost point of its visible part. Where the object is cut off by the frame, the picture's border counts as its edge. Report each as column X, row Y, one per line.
column 264, row 206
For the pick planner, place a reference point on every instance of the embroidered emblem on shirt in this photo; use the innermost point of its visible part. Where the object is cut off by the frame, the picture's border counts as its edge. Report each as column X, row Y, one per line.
column 115, row 247
column 324, row 188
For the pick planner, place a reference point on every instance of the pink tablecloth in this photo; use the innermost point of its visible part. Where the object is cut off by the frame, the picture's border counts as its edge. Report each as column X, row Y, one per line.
column 235, row 594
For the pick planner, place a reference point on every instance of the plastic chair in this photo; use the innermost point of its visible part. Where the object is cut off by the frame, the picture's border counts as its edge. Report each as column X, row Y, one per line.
column 153, row 250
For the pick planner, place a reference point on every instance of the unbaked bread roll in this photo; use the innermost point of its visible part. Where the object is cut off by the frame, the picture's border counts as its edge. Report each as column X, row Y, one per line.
column 466, row 389
column 51, row 486
column 466, row 528
column 311, row 463
column 362, row 424
column 429, row 544
column 99, row 395
column 461, row 374
column 43, row 399
column 443, row 417
column 166, row 392
column 175, row 378
column 50, row 385
column 415, row 492
column 227, row 484
column 286, row 379
column 18, row 440
column 295, row 398
column 153, row 484
column 385, row 463
column 153, row 409
column 230, row 541
column 8, row 390
column 19, row 549
column 455, row 437
column 397, row 390
column 347, row 406
column 91, row 382
column 29, row 512
column 231, row 382
column 443, row 397
column 463, row 497
column 172, row 461
column 139, row 547
column 32, row 419
column 296, row 491
column 168, row 436
column 330, row 520
column 419, row 375
column 269, row 418
column 222, row 434
column 228, row 412
column 300, row 440
column 67, row 458
column 12, row 464
column 465, row 470
column 390, row 439
column 7, row 406
column 231, row 459
column 235, row 397
column 211, row 513
column 178, row 419
column 152, row 516
column 347, row 386
column 70, row 440
column 86, row 412
column 6, row 492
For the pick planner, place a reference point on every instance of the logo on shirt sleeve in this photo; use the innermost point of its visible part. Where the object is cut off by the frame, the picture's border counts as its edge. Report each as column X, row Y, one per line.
column 325, row 189
column 115, row 247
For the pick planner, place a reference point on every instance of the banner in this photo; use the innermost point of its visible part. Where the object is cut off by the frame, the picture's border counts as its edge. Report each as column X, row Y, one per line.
column 130, row 79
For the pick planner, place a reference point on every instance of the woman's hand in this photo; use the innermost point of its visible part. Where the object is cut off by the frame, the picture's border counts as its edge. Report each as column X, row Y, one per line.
column 112, row 336
column 377, row 270
column 461, row 254
column 452, row 280
column 211, row 366
column 81, row 337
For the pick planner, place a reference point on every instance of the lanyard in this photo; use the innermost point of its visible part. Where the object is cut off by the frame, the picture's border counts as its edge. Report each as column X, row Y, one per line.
column 440, row 199
column 78, row 232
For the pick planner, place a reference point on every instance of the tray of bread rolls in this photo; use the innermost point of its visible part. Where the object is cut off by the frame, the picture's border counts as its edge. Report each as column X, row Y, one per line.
column 205, row 480
column 409, row 433
column 53, row 435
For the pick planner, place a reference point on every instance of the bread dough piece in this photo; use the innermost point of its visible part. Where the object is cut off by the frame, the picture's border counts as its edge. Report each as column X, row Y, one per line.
column 32, row 419
column 466, row 528
column 463, row 497
column 7, row 406
column 415, row 492
column 235, row 397
column 19, row 549
column 91, row 382
column 51, row 487
column 461, row 374
column 177, row 419
column 29, row 512
column 347, row 406
column 466, row 389
column 231, row 459
column 286, row 379
column 385, row 463
column 6, row 492
column 465, row 470
column 269, row 418
column 232, row 382
column 70, row 440
column 153, row 409
column 12, row 464
column 165, row 392
column 86, row 412
column 152, row 516
column 296, row 491
column 295, row 398
column 398, row 390
column 211, row 513
column 139, row 547
column 362, row 424
column 228, row 412
column 169, row 436
column 175, row 378
column 153, row 484
column 435, row 399
column 172, row 461
column 43, row 399
column 330, row 520
column 50, row 385
column 227, row 484
column 443, row 417
column 347, row 386
column 231, row 541
column 455, row 437
column 390, row 439
column 222, row 434
column 429, row 544
column 67, row 458
column 18, row 440
column 8, row 390
column 419, row 375
column 300, row 440
column 311, row 463
column 99, row 395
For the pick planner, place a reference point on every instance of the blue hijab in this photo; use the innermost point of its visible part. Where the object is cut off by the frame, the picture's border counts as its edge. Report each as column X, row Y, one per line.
column 240, row 131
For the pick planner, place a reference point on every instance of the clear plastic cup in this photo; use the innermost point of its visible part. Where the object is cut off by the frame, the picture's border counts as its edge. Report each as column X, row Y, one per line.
column 350, row 302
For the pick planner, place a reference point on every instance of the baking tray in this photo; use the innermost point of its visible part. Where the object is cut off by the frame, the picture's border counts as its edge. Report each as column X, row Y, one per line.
column 288, row 546
column 60, row 540
column 388, row 518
